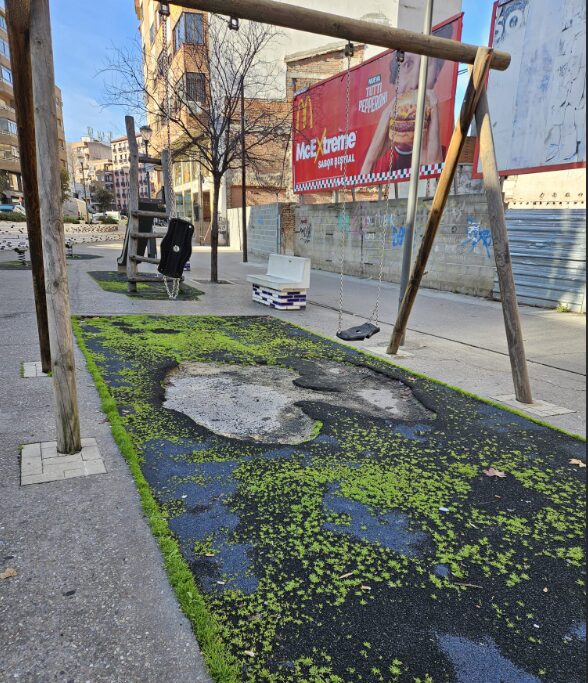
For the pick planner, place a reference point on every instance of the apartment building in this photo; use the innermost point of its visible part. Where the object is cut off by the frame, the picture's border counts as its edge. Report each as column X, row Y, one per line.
column 120, row 172
column 90, row 168
column 184, row 49
column 10, row 175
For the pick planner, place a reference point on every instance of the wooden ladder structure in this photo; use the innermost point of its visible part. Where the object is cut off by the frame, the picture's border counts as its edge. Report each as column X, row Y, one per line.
column 135, row 213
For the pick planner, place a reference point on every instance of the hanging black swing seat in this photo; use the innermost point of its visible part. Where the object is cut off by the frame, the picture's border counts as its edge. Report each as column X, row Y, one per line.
column 359, row 333
column 176, row 248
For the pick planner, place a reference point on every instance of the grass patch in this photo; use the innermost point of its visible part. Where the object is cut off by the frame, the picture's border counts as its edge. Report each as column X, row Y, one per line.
column 112, row 281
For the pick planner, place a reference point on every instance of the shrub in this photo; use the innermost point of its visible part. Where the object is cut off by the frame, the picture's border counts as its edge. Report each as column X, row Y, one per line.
column 71, row 219
column 109, row 220
column 12, row 216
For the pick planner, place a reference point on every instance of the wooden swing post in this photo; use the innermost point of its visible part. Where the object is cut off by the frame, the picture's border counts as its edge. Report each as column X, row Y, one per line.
column 468, row 110
column 49, row 189
column 508, row 293
column 18, row 20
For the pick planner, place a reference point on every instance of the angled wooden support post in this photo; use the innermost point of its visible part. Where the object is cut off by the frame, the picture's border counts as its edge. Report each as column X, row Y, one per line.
column 133, row 224
column 468, row 110
column 49, row 184
column 508, row 295
column 18, row 20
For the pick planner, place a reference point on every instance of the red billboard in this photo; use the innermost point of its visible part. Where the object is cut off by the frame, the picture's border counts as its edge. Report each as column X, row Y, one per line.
column 328, row 155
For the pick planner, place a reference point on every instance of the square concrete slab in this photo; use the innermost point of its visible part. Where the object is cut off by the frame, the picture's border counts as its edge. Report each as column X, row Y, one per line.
column 383, row 351
column 33, row 369
column 41, row 462
column 537, row 408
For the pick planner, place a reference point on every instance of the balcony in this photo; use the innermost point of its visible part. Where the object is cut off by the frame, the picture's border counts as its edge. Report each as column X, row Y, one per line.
column 6, row 89
column 11, row 165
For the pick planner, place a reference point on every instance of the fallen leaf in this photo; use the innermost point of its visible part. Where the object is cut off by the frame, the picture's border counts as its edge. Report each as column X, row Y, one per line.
column 249, row 653
column 580, row 464
column 492, row 472
column 346, row 576
column 8, row 574
column 366, row 588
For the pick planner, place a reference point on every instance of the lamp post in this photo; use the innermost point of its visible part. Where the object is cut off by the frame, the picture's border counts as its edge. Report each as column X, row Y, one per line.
column 146, row 133
column 84, row 186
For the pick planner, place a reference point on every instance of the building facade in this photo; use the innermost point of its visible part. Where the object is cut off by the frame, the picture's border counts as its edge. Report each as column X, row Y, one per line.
column 120, row 172
column 10, row 175
column 185, row 49
column 90, row 169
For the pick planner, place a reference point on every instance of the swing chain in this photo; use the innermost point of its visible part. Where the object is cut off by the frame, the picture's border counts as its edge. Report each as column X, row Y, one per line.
column 174, row 289
column 171, row 200
column 387, row 220
column 349, row 51
column 172, row 285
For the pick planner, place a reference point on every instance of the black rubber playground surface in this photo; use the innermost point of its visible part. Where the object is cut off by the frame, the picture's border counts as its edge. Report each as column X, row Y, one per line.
column 413, row 534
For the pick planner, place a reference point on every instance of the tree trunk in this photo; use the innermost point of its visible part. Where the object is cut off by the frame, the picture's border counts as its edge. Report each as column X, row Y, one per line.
column 214, row 231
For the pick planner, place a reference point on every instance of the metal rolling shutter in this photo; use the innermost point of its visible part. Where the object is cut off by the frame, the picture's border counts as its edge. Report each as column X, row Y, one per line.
column 548, row 249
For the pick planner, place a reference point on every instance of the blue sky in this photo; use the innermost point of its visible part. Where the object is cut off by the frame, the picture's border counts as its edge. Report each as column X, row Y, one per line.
column 84, row 32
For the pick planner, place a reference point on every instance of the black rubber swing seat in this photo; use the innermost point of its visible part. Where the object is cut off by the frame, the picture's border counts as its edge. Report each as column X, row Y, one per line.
column 359, row 333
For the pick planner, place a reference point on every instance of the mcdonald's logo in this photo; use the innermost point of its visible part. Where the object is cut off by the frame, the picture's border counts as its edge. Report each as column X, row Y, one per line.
column 304, row 114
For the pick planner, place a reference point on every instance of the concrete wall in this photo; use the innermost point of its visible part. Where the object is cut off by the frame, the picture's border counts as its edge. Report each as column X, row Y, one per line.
column 462, row 259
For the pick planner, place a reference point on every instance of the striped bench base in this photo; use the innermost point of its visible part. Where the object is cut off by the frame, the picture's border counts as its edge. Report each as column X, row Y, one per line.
column 293, row 300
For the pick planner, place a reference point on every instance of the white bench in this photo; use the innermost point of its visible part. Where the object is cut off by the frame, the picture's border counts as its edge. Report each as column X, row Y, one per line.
column 285, row 283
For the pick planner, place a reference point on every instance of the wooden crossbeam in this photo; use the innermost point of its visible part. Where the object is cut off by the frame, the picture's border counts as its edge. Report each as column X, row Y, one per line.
column 336, row 26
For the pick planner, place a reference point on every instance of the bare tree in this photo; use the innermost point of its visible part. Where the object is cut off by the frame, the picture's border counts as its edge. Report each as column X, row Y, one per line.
column 196, row 85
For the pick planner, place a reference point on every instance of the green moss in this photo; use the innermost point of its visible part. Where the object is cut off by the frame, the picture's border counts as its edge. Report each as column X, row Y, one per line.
column 112, row 281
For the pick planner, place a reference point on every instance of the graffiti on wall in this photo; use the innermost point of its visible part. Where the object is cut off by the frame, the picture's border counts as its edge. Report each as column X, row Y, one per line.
column 478, row 238
column 398, row 235
column 304, row 231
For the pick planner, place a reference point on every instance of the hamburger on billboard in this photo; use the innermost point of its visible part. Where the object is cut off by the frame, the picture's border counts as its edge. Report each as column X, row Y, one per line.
column 382, row 109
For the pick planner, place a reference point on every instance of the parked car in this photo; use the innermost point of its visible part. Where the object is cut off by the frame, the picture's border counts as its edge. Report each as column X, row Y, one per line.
column 101, row 216
column 13, row 208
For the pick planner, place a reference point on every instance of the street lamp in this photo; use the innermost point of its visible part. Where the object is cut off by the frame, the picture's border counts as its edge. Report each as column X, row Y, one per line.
column 84, row 184
column 146, row 133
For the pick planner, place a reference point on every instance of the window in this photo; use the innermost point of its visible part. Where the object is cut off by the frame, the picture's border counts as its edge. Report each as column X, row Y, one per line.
column 195, row 87
column 161, row 63
column 9, row 153
column 188, row 30
column 152, row 33
column 3, row 23
column 6, row 75
column 4, row 48
column 8, row 127
column 187, row 205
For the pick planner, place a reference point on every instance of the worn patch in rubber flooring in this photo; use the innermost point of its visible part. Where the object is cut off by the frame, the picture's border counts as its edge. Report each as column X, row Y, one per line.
column 378, row 548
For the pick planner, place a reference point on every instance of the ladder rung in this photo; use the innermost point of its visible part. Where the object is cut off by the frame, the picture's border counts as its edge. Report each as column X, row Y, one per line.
column 148, row 235
column 149, row 214
column 149, row 160
column 144, row 259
